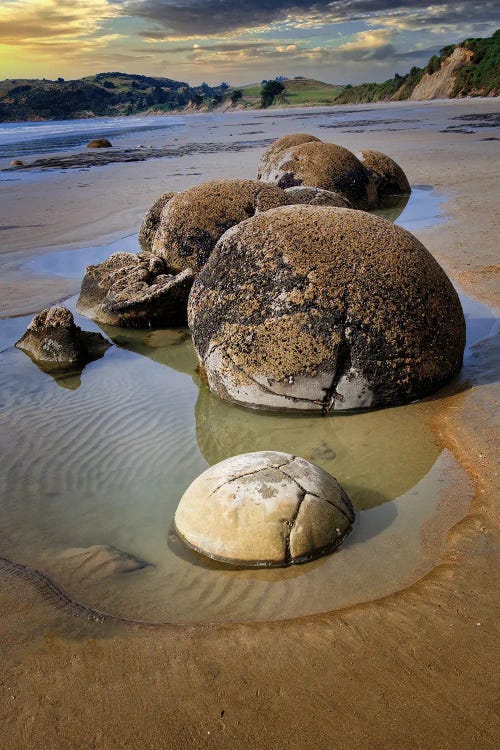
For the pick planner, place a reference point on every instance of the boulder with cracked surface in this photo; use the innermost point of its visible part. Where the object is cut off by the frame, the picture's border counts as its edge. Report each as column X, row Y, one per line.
column 324, row 309
column 135, row 291
column 264, row 509
column 57, row 345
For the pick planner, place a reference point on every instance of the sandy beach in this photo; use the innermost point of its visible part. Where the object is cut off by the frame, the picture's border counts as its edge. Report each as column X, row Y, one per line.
column 413, row 669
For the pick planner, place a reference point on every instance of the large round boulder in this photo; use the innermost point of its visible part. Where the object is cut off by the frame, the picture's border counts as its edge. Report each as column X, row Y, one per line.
column 322, row 165
column 151, row 222
column 193, row 220
column 325, row 309
column 387, row 174
column 264, row 509
column 281, row 144
column 311, row 196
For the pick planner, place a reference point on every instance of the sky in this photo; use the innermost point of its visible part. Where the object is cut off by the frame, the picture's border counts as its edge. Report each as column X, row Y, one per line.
column 238, row 41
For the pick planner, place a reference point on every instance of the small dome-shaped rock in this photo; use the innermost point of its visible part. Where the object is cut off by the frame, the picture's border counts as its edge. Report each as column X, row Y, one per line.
column 388, row 176
column 321, row 308
column 100, row 143
column 16, row 163
column 151, row 222
column 322, row 165
column 193, row 220
column 264, row 509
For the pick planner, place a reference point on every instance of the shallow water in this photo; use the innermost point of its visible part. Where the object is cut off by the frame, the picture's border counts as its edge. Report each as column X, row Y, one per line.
column 103, row 456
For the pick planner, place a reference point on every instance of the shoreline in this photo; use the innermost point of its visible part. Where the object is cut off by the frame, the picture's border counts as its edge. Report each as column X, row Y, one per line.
column 411, row 670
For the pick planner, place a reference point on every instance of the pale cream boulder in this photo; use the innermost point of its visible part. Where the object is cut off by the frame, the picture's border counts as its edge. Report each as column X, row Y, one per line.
column 264, row 509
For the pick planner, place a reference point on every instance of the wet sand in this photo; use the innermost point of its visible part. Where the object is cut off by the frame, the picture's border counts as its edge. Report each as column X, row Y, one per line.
column 415, row 669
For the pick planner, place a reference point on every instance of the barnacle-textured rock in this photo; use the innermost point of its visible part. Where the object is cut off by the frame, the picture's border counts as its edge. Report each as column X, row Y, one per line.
column 56, row 344
column 193, row 220
column 264, row 509
column 388, row 176
column 311, row 196
column 281, row 144
column 325, row 309
column 135, row 291
column 100, row 143
column 322, row 165
column 151, row 222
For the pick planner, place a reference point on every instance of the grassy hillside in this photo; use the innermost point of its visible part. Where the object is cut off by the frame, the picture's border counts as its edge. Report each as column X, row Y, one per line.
column 298, row 91
column 99, row 95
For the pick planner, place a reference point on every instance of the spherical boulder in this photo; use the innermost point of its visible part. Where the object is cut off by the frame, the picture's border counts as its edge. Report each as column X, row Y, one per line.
column 100, row 143
column 322, row 165
column 319, row 308
column 387, row 174
column 264, row 509
column 311, row 196
column 281, row 144
column 193, row 220
column 151, row 222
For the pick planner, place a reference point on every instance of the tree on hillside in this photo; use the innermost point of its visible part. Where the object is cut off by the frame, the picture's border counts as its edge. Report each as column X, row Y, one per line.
column 236, row 95
column 269, row 91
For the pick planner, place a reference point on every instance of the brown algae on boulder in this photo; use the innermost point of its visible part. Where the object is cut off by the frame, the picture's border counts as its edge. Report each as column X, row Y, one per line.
column 318, row 308
column 387, row 174
column 151, row 222
column 135, row 291
column 56, row 344
column 264, row 509
column 192, row 221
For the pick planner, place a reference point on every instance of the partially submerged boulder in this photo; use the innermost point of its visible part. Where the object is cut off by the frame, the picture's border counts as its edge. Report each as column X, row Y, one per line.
column 100, row 143
column 56, row 344
column 151, row 222
column 193, row 220
column 311, row 196
column 16, row 163
column 318, row 308
column 135, row 291
column 322, row 165
column 264, row 509
column 387, row 174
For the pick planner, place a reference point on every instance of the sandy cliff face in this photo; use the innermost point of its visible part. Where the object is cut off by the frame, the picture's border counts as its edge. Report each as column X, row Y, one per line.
column 440, row 84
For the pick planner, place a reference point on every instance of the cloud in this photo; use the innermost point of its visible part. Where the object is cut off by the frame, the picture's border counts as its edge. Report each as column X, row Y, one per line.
column 199, row 18
column 30, row 23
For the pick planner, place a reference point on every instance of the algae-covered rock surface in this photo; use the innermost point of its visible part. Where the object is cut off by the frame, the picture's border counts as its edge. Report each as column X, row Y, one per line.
column 56, row 344
column 192, row 221
column 151, row 221
column 387, row 174
column 327, row 309
column 135, row 291
column 264, row 509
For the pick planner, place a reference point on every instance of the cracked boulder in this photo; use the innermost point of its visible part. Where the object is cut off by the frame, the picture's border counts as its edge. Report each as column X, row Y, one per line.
column 313, row 163
column 57, row 345
column 264, row 509
column 192, row 221
column 388, row 176
column 151, row 222
column 324, row 309
column 135, row 291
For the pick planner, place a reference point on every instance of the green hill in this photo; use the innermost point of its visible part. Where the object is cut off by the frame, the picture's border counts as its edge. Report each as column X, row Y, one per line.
column 298, row 91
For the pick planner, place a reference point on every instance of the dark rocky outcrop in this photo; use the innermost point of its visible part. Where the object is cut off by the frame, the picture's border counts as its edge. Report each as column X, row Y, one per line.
column 100, row 143
column 56, row 344
column 324, row 309
column 193, row 220
column 135, row 291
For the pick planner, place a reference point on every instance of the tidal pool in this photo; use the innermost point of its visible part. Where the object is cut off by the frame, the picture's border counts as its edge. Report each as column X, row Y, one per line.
column 102, row 457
